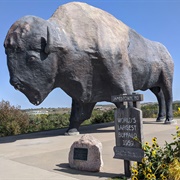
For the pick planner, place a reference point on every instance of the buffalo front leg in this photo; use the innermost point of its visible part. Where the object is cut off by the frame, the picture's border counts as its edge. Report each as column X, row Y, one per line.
column 79, row 113
column 162, row 107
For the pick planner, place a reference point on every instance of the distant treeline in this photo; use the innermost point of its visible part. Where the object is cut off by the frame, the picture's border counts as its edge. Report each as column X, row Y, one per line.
column 15, row 121
column 151, row 110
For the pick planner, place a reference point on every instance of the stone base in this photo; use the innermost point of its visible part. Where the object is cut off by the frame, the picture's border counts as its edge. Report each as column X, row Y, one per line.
column 86, row 154
column 72, row 132
column 171, row 122
column 160, row 119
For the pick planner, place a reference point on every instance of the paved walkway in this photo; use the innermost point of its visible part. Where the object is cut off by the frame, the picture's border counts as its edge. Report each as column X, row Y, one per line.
column 44, row 155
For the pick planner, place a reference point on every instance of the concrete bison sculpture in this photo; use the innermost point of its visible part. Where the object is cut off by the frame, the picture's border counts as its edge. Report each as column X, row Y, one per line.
column 90, row 55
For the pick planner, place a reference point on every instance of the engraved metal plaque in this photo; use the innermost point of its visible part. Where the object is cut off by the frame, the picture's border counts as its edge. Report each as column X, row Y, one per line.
column 80, row 154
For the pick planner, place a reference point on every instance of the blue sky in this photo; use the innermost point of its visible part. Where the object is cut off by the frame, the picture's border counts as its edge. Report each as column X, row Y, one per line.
column 157, row 20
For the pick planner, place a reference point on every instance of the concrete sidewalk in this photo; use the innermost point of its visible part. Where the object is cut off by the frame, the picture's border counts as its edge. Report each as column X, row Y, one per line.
column 44, row 155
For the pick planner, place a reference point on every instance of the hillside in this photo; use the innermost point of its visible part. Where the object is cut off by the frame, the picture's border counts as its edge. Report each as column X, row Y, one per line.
column 67, row 110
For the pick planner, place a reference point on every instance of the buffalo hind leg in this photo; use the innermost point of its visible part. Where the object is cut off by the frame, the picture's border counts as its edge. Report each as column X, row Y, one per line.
column 79, row 113
column 168, row 99
column 161, row 101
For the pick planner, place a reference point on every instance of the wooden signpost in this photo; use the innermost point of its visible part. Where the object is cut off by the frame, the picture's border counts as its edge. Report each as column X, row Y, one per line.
column 128, row 128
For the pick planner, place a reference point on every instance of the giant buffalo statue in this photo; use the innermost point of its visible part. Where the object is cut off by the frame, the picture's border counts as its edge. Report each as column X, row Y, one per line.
column 90, row 55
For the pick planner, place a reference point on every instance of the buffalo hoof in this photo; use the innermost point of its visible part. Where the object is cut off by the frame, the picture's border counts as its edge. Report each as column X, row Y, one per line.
column 170, row 121
column 160, row 119
column 72, row 132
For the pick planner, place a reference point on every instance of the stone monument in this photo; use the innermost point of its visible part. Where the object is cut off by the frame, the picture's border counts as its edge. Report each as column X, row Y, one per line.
column 86, row 154
column 91, row 55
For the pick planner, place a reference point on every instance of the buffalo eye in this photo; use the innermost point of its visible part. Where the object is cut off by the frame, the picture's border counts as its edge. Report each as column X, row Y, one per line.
column 32, row 59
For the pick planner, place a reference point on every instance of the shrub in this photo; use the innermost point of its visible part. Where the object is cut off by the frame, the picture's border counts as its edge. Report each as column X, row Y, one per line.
column 12, row 120
column 107, row 116
column 150, row 111
column 176, row 113
column 159, row 163
column 174, row 169
column 42, row 122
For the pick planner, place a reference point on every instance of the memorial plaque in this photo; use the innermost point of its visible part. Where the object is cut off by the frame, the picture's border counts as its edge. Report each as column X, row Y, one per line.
column 80, row 154
column 128, row 126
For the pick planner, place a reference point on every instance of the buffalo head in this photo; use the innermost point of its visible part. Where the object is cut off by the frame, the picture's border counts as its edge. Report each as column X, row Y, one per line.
column 31, row 59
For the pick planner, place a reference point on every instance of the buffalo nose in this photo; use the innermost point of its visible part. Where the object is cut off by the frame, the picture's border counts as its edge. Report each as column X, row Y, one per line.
column 13, row 81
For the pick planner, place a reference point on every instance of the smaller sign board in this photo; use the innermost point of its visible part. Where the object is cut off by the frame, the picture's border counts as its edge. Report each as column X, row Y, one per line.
column 80, row 154
column 127, row 98
column 130, row 154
